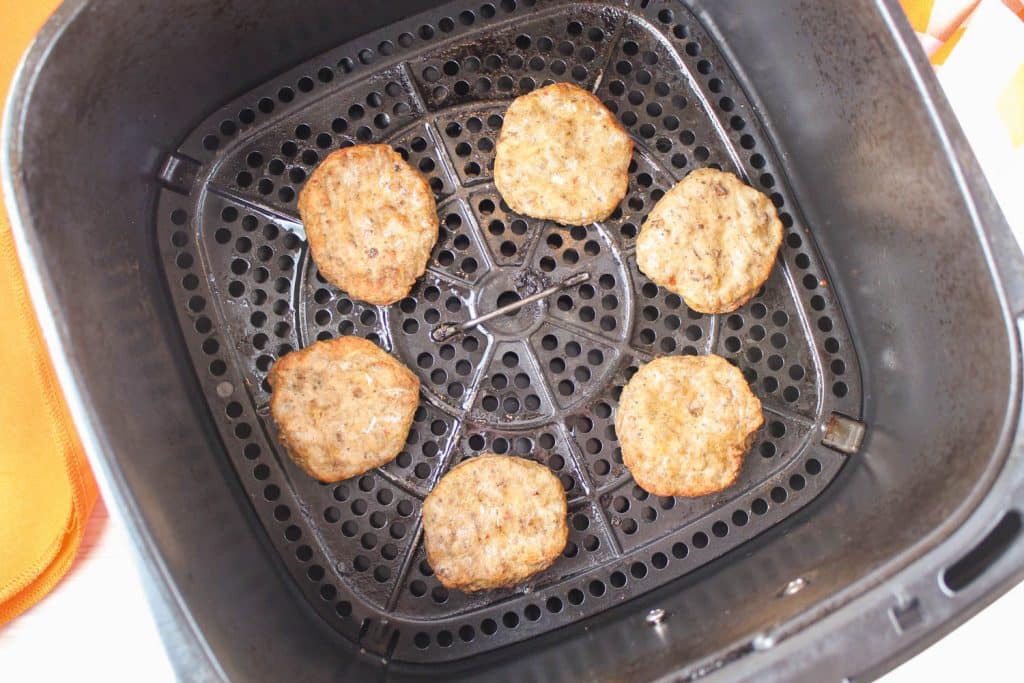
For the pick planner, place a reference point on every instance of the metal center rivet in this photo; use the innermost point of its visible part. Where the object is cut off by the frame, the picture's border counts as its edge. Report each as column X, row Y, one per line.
column 655, row 616
column 794, row 586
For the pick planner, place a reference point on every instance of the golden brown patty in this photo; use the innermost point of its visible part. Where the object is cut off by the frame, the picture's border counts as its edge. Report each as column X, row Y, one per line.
column 493, row 521
column 684, row 424
column 711, row 239
column 562, row 156
column 371, row 221
column 342, row 406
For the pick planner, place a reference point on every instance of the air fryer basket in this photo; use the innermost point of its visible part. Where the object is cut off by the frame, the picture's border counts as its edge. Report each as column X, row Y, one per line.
column 188, row 276
column 543, row 382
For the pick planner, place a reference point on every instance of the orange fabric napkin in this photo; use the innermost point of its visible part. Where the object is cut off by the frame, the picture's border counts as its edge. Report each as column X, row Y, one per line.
column 46, row 489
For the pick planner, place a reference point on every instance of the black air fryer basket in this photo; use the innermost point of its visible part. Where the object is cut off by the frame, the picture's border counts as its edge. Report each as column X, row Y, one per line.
column 878, row 508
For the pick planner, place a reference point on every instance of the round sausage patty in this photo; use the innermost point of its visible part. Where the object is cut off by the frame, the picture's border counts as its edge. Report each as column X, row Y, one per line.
column 493, row 521
column 371, row 222
column 562, row 156
column 711, row 239
column 684, row 424
column 342, row 407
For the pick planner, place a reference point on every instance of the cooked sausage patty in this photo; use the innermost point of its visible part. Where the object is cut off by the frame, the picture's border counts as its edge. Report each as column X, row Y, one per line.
column 493, row 521
column 371, row 222
column 342, row 407
column 684, row 424
column 562, row 156
column 711, row 239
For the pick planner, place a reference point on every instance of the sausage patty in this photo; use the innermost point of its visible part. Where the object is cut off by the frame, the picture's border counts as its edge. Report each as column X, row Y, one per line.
column 342, row 407
column 371, row 222
column 684, row 424
column 562, row 156
column 711, row 239
column 493, row 521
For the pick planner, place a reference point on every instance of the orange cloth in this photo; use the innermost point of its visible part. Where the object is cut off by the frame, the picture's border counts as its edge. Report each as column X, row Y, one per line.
column 918, row 13
column 46, row 489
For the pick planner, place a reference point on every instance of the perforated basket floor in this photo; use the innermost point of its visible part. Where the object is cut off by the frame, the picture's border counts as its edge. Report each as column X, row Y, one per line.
column 542, row 383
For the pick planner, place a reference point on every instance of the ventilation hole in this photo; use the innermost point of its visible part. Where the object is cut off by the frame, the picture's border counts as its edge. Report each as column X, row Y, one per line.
column 553, row 605
column 972, row 565
column 439, row 594
column 659, row 560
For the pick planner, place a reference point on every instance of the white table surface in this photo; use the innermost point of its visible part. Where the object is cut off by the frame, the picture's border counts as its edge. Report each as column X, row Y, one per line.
column 94, row 626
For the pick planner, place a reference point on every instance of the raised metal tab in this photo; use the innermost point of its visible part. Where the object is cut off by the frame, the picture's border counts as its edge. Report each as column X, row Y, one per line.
column 179, row 173
column 843, row 434
column 378, row 637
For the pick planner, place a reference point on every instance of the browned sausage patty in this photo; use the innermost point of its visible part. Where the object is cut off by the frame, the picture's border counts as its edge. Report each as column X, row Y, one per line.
column 684, row 424
column 342, row 407
column 562, row 156
column 371, row 222
column 711, row 239
column 493, row 521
